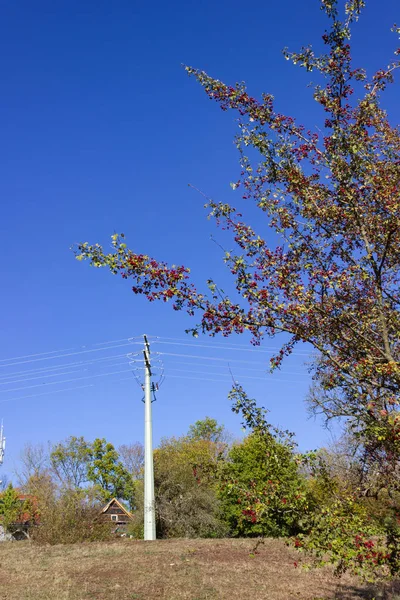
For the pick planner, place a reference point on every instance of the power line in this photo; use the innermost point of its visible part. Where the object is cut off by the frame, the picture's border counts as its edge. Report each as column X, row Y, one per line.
column 233, row 346
column 37, row 354
column 200, row 379
column 63, row 366
column 96, row 375
column 65, row 381
column 79, row 387
column 249, row 362
column 221, row 347
column 132, row 337
column 22, row 375
column 160, row 366
column 229, row 375
column 42, row 377
column 239, row 367
column 56, row 354
column 61, row 352
column 65, row 355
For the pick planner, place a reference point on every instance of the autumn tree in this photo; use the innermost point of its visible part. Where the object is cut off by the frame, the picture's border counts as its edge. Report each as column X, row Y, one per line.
column 332, row 200
column 185, row 486
column 70, row 516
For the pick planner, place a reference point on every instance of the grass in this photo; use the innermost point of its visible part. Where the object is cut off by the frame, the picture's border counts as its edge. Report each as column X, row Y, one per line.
column 170, row 570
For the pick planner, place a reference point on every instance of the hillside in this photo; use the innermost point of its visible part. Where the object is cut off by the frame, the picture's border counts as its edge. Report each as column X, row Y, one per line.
column 169, row 570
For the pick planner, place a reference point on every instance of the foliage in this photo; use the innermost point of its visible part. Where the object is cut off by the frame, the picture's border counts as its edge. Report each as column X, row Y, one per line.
column 70, row 460
column 261, row 489
column 336, row 523
column 186, row 500
column 135, row 528
column 69, row 518
column 356, row 529
column 106, row 471
column 10, row 507
column 207, row 429
column 41, row 487
column 345, row 529
column 260, row 484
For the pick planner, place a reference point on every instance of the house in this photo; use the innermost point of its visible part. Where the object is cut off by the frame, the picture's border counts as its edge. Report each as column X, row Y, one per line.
column 116, row 512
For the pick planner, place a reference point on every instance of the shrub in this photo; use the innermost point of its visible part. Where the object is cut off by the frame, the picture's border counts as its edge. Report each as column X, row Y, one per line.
column 70, row 518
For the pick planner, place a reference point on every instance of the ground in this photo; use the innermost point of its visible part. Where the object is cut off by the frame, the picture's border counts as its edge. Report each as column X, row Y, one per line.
column 168, row 570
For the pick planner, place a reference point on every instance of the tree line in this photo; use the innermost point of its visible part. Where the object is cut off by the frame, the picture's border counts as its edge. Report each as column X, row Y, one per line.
column 208, row 484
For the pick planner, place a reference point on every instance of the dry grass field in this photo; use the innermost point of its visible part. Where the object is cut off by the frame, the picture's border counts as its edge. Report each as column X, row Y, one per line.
column 170, row 570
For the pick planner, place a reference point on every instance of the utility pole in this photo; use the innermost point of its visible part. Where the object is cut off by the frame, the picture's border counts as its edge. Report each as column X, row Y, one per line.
column 2, row 444
column 149, row 509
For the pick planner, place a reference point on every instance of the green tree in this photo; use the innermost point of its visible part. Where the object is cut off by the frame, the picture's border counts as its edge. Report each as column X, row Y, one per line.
column 10, row 507
column 261, row 490
column 207, row 429
column 106, row 471
column 70, row 461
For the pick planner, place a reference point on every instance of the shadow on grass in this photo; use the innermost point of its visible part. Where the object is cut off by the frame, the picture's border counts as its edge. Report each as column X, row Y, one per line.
column 369, row 592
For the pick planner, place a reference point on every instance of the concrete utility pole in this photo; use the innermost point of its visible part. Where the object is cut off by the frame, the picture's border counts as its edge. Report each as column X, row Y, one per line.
column 2, row 444
column 149, row 510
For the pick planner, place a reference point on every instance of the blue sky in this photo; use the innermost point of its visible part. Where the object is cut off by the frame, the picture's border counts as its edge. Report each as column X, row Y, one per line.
column 102, row 131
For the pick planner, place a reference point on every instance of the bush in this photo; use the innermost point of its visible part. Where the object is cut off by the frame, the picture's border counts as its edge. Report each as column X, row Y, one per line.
column 71, row 518
column 261, row 490
column 186, row 504
column 135, row 528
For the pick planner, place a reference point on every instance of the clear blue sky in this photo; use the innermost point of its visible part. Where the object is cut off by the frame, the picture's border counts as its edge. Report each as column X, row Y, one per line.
column 101, row 131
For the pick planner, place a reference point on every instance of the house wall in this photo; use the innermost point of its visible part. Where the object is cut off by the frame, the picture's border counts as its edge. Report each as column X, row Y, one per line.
column 4, row 536
column 114, row 509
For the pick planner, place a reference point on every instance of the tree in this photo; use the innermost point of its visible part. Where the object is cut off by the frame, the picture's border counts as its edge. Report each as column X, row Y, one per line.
column 132, row 457
column 335, row 522
column 332, row 202
column 70, row 460
column 42, row 487
column 260, row 484
column 10, row 507
column 34, row 463
column 185, row 492
column 207, row 429
column 107, row 472
column 261, row 489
